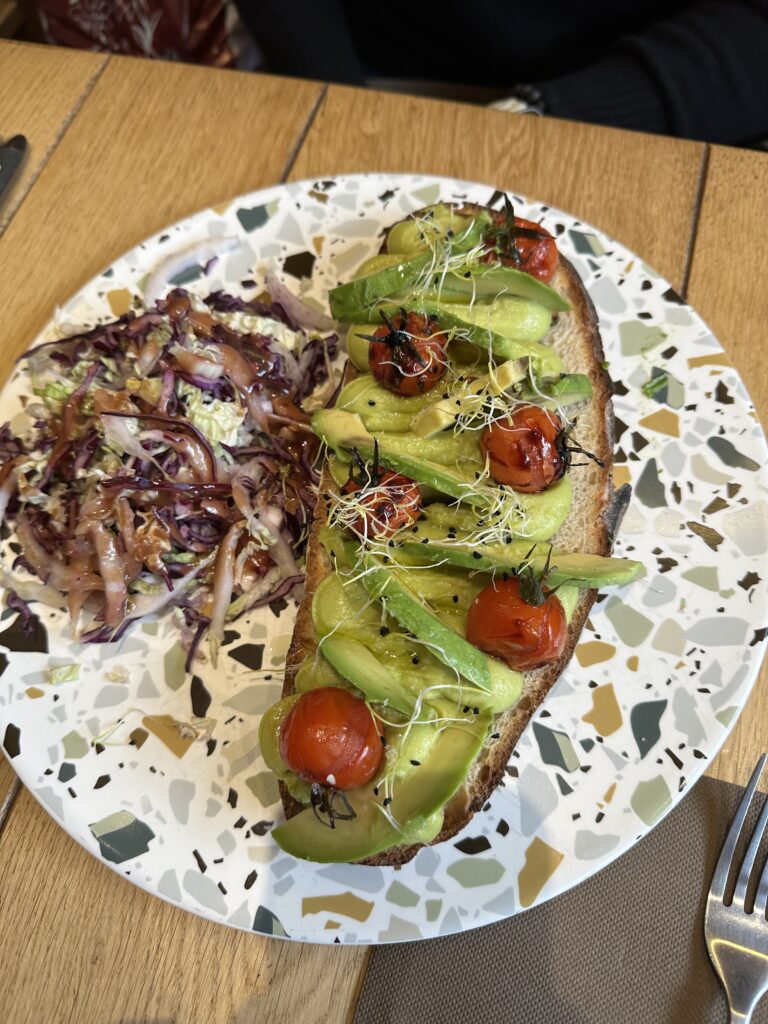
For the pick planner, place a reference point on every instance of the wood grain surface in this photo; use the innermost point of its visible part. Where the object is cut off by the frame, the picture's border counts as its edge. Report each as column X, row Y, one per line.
column 41, row 90
column 641, row 189
column 153, row 142
column 135, row 149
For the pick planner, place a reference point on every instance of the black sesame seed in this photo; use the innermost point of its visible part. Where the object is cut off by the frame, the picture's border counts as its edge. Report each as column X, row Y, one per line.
column 375, row 790
column 425, row 541
column 476, row 554
column 383, row 740
column 414, row 529
column 371, row 402
column 465, row 709
column 387, row 801
column 455, row 598
column 415, row 763
column 475, row 711
column 447, row 394
column 495, row 735
column 384, row 630
column 415, row 659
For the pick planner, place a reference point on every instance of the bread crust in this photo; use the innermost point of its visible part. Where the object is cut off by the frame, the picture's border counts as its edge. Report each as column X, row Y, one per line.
column 591, row 526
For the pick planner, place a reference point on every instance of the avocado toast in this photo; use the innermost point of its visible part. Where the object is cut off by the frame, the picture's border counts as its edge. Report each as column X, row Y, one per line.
column 387, row 612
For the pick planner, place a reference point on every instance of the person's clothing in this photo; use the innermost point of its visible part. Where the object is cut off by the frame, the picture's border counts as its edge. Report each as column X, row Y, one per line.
column 196, row 31
column 695, row 70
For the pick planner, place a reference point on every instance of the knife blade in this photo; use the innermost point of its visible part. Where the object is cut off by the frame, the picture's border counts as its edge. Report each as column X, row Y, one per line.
column 11, row 155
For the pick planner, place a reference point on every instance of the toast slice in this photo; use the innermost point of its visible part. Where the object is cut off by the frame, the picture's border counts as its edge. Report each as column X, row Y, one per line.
column 591, row 525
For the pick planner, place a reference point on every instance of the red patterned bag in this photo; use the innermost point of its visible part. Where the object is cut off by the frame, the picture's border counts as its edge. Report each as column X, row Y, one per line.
column 194, row 31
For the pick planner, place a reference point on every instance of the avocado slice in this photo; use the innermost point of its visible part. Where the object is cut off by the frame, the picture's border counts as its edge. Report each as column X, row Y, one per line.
column 357, row 345
column 410, row 235
column 347, row 300
column 433, row 544
column 390, row 585
column 437, row 416
column 490, row 282
column 379, row 408
column 540, row 515
column 342, row 431
column 514, row 331
column 415, row 813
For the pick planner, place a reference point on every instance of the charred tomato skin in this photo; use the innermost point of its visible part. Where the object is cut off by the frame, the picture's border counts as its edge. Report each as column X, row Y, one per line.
column 522, row 635
column 535, row 256
column 387, row 504
column 526, row 450
column 330, row 738
column 410, row 358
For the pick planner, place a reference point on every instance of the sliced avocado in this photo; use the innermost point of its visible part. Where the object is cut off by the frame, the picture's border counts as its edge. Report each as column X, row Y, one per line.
column 519, row 326
column 379, row 408
column 381, row 261
column 439, row 415
column 357, row 345
column 554, row 392
column 269, row 744
column 359, row 665
column 343, row 431
column 460, row 548
column 390, row 585
column 348, row 301
column 314, row 673
column 517, row 322
column 410, row 235
column 414, row 813
column 489, row 282
column 540, row 515
column 362, row 292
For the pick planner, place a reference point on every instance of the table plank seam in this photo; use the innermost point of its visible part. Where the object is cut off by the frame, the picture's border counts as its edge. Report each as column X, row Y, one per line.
column 300, row 139
column 14, row 204
column 701, row 185
column 9, row 800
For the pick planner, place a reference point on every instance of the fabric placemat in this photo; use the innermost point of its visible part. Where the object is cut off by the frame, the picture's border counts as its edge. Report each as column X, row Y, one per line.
column 625, row 946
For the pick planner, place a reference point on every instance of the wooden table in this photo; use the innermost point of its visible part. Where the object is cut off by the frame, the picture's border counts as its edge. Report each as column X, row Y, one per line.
column 119, row 149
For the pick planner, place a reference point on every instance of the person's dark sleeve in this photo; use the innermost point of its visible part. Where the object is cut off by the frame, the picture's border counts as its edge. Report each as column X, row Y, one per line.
column 700, row 75
column 302, row 37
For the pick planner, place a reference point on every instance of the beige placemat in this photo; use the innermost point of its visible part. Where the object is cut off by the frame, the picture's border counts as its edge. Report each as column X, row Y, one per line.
column 624, row 947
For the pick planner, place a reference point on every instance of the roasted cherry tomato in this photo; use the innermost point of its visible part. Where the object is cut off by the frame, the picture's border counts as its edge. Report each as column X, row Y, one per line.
column 388, row 502
column 522, row 635
column 527, row 450
column 407, row 354
column 527, row 246
column 330, row 737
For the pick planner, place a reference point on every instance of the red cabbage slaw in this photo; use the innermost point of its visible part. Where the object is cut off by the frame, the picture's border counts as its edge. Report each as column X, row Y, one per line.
column 169, row 461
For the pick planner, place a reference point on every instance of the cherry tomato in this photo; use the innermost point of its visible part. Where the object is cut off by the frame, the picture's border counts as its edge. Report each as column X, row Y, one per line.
column 532, row 253
column 388, row 504
column 407, row 354
column 527, row 449
column 330, row 737
column 522, row 635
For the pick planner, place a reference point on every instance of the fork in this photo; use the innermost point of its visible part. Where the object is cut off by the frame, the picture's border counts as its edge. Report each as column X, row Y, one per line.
column 737, row 938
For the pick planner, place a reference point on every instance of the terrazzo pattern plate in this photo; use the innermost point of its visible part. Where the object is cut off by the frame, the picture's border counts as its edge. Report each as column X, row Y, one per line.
column 178, row 798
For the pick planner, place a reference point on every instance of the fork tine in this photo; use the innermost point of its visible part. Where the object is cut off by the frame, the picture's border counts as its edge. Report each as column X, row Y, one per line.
column 740, row 893
column 720, row 878
column 761, row 896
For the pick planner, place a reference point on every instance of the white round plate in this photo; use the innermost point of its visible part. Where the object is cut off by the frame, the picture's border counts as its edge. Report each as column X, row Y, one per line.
column 659, row 676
